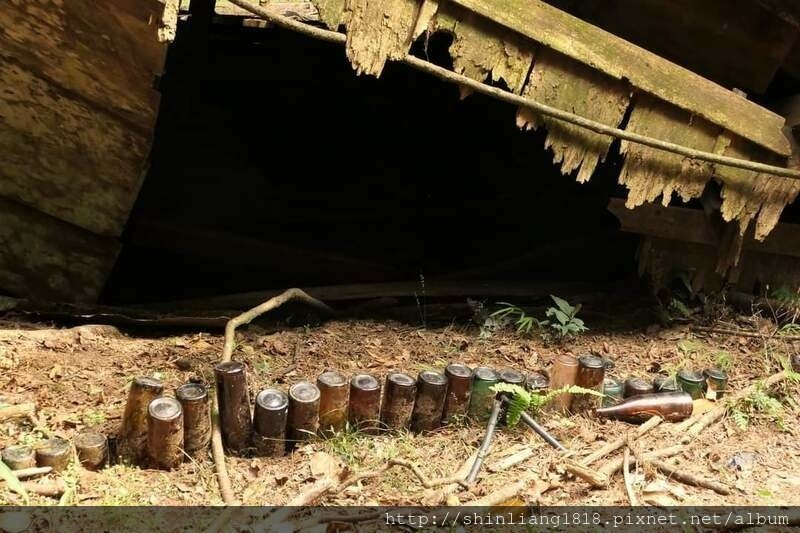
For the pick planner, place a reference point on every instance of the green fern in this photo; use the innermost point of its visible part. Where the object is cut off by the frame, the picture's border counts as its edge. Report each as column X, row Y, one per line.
column 757, row 402
column 740, row 418
column 521, row 400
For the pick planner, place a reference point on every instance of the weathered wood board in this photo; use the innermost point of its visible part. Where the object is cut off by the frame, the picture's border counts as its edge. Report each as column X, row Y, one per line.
column 562, row 82
column 648, row 173
column 47, row 259
column 377, row 32
column 481, row 52
column 105, row 52
column 645, row 71
column 736, row 43
column 65, row 157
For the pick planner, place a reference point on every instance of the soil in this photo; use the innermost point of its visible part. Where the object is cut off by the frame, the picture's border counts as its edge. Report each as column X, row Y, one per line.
column 78, row 378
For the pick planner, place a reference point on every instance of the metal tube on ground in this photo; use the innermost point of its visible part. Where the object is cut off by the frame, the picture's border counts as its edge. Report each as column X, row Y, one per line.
column 429, row 403
column 269, row 423
column 132, row 441
column 531, row 423
column 333, row 391
column 196, row 417
column 234, row 405
column 398, row 401
column 165, row 433
column 491, row 426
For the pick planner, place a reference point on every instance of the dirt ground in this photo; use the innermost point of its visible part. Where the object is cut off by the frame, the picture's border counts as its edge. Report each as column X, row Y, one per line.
column 78, row 379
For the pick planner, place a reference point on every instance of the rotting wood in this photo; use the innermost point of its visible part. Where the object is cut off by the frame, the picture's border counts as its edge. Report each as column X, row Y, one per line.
column 615, row 465
column 649, row 174
column 377, row 32
column 480, row 50
column 646, row 71
column 65, row 157
column 47, row 259
column 304, row 11
column 748, row 46
column 747, row 195
column 691, row 225
column 562, row 82
column 107, row 53
column 330, row 12
column 517, row 100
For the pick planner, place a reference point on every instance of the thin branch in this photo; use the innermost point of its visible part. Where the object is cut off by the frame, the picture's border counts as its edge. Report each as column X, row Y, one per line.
column 511, row 98
column 217, row 450
column 626, row 460
column 690, row 479
column 620, row 442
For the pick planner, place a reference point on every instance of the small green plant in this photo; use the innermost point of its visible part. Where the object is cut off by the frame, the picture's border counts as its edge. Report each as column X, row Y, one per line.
column 562, row 320
column 566, row 323
column 522, row 400
column 723, row 361
column 758, row 402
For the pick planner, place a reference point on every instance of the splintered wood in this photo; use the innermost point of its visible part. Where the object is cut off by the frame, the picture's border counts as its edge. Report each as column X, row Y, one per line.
column 564, row 83
column 747, row 195
column 649, row 174
column 539, row 52
column 377, row 32
column 479, row 51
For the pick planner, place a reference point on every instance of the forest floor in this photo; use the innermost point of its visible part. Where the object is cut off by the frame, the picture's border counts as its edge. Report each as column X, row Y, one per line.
column 78, row 378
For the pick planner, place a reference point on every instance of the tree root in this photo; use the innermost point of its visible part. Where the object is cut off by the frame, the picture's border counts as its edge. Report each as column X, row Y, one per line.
column 217, row 450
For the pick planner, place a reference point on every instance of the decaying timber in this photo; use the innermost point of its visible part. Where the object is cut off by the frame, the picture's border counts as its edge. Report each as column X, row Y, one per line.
column 594, row 74
column 562, row 82
column 55, row 453
column 92, row 449
column 377, row 32
column 479, row 51
column 19, row 457
column 165, row 433
column 78, row 113
column 46, row 259
column 649, row 174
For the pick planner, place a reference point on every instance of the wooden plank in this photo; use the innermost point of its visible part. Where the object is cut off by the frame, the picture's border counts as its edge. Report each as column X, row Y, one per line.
column 301, row 10
column 44, row 258
column 400, row 289
column 693, row 226
column 106, row 55
column 646, row 71
column 736, row 43
column 64, row 157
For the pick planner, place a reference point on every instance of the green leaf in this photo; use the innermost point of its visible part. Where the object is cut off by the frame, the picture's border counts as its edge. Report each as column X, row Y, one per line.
column 12, row 482
column 563, row 305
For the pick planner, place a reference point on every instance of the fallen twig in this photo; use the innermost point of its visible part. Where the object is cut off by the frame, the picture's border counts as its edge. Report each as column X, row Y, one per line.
column 691, row 479
column 745, row 333
column 441, row 495
column 16, row 411
column 615, row 465
column 327, row 518
column 626, row 460
column 53, row 489
column 594, row 477
column 512, row 460
column 620, row 442
column 25, row 473
column 217, row 450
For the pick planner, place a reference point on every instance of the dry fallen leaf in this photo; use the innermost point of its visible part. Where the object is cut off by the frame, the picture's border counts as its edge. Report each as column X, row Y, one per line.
column 324, row 465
